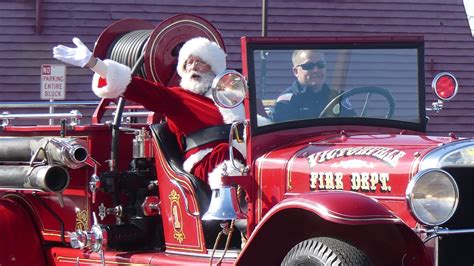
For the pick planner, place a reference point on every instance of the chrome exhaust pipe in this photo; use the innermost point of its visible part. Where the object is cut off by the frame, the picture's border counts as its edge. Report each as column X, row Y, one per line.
column 70, row 152
column 47, row 178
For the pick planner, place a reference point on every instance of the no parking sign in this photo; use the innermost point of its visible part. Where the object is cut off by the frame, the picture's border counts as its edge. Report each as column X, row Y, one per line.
column 53, row 82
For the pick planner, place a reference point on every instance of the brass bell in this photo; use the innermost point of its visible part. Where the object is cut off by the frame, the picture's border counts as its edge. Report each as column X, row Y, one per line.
column 224, row 205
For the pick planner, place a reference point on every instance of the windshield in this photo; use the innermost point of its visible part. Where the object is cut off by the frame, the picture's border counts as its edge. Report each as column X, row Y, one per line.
column 352, row 84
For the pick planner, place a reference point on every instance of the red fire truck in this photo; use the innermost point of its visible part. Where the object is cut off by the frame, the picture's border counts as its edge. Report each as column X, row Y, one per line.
column 365, row 188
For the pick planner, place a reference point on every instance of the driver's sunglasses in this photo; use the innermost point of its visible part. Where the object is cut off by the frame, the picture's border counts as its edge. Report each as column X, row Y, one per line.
column 312, row 65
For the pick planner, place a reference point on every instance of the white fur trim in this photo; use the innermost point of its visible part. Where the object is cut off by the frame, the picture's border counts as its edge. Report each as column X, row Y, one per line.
column 215, row 177
column 118, row 77
column 100, row 68
column 233, row 114
column 195, row 158
column 208, row 51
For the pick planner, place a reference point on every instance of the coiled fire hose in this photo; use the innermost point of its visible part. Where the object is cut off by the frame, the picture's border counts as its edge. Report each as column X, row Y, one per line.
column 129, row 48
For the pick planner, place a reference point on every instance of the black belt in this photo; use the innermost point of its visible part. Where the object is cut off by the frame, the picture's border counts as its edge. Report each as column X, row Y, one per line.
column 206, row 135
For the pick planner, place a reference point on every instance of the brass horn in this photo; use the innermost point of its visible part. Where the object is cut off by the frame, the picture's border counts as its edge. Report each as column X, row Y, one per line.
column 224, row 205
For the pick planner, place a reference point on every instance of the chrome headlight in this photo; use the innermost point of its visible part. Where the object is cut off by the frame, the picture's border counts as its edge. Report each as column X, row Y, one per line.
column 432, row 196
column 455, row 154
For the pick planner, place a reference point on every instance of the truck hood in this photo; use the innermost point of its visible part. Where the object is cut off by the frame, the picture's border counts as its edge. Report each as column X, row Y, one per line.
column 373, row 164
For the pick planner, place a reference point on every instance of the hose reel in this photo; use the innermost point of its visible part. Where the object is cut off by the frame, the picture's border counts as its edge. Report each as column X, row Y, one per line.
column 127, row 40
column 128, row 49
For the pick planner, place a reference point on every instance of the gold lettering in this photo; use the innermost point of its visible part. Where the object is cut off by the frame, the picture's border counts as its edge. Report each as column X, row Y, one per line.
column 342, row 152
column 384, row 178
column 364, row 181
column 363, row 151
column 372, row 150
column 388, row 155
column 312, row 159
column 380, row 153
column 313, row 180
column 321, row 180
column 339, row 184
column 355, row 181
column 395, row 159
column 329, row 180
column 352, row 151
column 360, row 181
column 374, row 180
column 322, row 156
column 331, row 154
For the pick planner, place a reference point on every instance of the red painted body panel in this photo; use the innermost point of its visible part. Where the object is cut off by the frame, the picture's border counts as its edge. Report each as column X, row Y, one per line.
column 17, row 228
column 66, row 256
column 353, row 162
column 339, row 207
column 182, row 231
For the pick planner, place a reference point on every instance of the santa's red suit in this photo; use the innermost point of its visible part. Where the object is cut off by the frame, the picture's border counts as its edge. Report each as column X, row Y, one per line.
column 186, row 112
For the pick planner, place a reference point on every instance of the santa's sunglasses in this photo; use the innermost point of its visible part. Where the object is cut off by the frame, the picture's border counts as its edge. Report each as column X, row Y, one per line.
column 312, row 65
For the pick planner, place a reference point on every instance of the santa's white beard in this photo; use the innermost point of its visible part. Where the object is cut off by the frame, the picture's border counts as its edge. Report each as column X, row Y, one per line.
column 200, row 86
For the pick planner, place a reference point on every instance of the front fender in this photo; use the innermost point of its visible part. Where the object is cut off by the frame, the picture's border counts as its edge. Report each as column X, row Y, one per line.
column 347, row 216
column 339, row 206
column 20, row 243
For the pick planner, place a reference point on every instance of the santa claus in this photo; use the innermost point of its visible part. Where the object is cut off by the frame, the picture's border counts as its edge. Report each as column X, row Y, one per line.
column 189, row 109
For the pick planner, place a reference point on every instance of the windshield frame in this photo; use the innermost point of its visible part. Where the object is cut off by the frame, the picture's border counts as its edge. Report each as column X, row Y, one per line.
column 251, row 44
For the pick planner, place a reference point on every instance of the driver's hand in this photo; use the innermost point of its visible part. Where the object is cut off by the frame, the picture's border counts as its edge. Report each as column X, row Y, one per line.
column 78, row 56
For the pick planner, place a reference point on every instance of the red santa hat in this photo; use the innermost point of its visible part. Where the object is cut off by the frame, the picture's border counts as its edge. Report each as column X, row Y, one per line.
column 208, row 51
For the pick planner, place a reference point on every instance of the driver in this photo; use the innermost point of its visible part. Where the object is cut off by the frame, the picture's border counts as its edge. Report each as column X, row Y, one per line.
column 309, row 94
column 189, row 108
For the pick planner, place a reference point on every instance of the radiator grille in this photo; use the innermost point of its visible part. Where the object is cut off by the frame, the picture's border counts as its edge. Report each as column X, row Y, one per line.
column 458, row 250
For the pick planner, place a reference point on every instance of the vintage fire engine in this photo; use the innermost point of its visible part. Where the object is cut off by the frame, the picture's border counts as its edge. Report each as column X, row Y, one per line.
column 364, row 189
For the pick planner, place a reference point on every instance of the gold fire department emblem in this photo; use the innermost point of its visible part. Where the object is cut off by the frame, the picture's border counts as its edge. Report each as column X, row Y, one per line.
column 176, row 216
column 82, row 220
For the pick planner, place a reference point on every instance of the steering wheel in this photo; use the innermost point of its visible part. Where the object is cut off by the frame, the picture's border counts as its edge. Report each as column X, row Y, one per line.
column 361, row 90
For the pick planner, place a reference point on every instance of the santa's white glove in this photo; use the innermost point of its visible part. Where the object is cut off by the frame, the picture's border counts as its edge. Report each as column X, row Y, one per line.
column 78, row 56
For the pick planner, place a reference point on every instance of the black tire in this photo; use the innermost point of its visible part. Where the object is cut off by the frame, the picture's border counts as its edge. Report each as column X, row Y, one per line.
column 324, row 251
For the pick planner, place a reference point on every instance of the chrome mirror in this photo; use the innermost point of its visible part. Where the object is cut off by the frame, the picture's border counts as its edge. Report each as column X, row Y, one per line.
column 229, row 88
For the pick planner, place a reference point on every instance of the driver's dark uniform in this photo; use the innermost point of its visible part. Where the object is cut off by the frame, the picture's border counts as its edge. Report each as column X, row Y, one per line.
column 299, row 103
